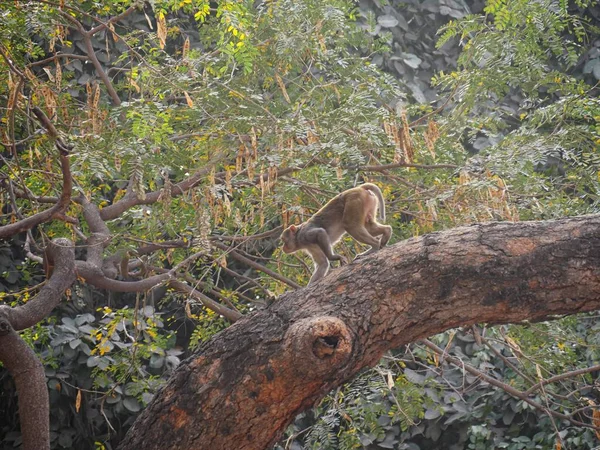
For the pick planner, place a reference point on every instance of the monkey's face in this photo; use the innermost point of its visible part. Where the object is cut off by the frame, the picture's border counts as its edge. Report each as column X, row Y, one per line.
column 289, row 240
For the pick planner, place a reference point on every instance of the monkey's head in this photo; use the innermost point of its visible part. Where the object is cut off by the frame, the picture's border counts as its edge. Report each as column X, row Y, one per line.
column 290, row 239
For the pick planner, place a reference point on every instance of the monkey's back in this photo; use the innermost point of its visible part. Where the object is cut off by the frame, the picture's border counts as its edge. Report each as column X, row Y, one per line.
column 330, row 213
column 331, row 216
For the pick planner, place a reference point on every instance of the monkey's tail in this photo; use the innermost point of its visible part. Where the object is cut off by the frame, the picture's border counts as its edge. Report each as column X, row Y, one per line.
column 375, row 190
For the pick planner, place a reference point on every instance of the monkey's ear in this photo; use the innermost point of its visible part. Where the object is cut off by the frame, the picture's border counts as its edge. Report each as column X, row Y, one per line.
column 293, row 228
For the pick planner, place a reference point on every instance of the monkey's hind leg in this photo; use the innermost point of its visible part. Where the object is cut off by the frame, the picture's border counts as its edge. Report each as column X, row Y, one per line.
column 376, row 229
column 361, row 234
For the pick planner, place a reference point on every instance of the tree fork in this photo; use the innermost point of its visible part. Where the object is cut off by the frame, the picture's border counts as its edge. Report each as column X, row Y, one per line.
column 242, row 388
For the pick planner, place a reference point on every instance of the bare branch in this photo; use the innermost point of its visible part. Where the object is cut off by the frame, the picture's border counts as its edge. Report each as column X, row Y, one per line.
column 247, row 280
column 91, row 54
column 100, row 237
column 131, row 199
column 267, row 234
column 55, row 57
column 229, row 314
column 94, row 276
column 165, row 245
column 385, row 167
column 562, row 376
column 115, row 19
column 256, row 265
column 505, row 359
column 89, row 48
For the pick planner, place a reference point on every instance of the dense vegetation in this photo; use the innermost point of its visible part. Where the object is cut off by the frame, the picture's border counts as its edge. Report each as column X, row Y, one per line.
column 199, row 130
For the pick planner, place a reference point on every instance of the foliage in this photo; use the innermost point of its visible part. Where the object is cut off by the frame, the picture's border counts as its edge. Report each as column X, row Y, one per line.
column 267, row 109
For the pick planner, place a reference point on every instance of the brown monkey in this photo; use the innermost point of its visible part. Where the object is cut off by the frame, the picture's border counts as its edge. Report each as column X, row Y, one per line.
column 354, row 212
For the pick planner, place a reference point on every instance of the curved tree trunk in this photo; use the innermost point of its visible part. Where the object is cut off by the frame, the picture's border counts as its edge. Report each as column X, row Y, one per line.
column 247, row 384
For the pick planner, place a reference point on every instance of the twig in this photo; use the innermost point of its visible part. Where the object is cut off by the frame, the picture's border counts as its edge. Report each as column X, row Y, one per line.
column 247, row 280
column 229, row 314
column 266, row 234
column 560, row 377
column 398, row 165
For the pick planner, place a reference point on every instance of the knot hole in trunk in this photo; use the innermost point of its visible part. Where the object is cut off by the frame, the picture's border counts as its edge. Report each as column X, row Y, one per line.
column 319, row 344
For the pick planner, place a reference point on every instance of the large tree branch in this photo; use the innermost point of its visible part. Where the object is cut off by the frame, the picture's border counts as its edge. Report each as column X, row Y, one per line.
column 270, row 366
column 30, row 382
column 20, row 360
column 61, row 255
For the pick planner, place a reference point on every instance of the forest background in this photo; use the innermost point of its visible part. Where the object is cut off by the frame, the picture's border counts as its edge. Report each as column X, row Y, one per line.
column 172, row 141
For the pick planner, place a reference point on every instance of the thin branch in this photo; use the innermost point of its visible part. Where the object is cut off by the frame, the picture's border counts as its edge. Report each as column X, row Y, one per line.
column 91, row 53
column 247, row 280
column 398, row 165
column 254, row 237
column 505, row 359
column 165, row 245
column 55, row 56
column 87, row 41
column 255, row 265
column 114, row 19
column 11, row 65
column 435, row 111
column 27, row 194
column 560, row 377
column 229, row 314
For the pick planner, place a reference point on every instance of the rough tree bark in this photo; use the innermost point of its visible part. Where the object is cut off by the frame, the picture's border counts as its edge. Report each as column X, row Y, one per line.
column 247, row 384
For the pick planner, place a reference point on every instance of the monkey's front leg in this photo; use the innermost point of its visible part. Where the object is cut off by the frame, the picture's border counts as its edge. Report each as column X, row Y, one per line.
column 321, row 266
column 321, row 237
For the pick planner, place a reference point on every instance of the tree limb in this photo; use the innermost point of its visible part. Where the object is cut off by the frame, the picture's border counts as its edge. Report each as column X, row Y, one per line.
column 115, row 19
column 279, row 361
column 19, row 358
column 30, row 382
column 385, row 167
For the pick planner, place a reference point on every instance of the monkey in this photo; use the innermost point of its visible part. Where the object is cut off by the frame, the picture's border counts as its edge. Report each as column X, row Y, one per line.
column 353, row 211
